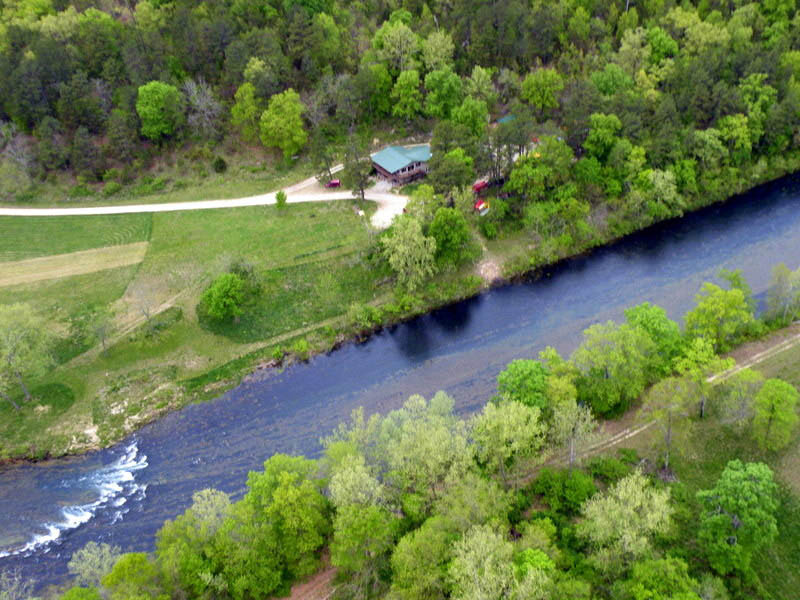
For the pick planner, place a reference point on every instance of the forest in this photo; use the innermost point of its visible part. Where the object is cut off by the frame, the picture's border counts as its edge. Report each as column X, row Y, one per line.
column 650, row 108
column 514, row 502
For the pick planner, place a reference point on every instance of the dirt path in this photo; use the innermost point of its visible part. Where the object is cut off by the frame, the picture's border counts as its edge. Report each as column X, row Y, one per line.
column 389, row 205
column 68, row 265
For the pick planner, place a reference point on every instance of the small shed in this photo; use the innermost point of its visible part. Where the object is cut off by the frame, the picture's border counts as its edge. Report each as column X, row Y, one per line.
column 402, row 164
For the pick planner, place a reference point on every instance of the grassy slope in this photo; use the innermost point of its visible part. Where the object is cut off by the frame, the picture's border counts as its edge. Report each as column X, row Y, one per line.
column 308, row 258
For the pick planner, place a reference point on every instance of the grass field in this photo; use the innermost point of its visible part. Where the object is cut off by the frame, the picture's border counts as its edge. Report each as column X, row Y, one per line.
column 32, row 237
column 308, row 258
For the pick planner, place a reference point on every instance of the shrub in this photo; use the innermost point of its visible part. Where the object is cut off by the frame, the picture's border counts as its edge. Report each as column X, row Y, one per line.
column 363, row 316
column 219, row 165
column 278, row 353
column 488, row 229
column 280, row 199
column 111, row 188
column 608, row 469
column 81, row 190
column 564, row 491
column 301, row 348
column 223, row 299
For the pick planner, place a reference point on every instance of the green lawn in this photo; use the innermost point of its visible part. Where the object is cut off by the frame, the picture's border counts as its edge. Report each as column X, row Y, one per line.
column 311, row 263
column 29, row 237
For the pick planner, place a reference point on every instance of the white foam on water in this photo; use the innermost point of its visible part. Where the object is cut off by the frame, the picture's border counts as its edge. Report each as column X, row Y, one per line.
column 114, row 485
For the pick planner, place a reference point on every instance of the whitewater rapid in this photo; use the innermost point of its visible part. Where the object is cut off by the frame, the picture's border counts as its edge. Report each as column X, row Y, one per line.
column 113, row 485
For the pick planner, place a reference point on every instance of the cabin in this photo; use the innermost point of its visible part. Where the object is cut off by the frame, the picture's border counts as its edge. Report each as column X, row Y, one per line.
column 402, row 164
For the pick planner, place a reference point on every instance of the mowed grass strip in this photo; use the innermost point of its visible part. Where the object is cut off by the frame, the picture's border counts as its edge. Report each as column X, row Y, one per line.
column 31, row 237
column 69, row 265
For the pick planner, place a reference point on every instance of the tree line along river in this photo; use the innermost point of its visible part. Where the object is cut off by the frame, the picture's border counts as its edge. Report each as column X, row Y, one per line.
column 123, row 494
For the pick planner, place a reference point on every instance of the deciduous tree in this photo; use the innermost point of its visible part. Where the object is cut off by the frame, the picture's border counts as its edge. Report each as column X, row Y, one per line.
column 506, row 432
column 525, row 381
column 24, row 349
column 409, row 252
column 621, row 523
column 450, row 230
column 775, row 416
column 614, row 363
column 281, row 125
column 407, row 96
column 669, row 403
column 721, row 316
column 160, row 109
column 738, row 516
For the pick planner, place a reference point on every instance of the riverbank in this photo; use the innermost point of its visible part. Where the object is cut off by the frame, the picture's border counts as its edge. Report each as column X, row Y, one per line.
column 167, row 376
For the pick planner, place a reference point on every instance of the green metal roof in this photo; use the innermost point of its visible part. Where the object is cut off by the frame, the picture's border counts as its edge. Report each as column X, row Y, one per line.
column 394, row 158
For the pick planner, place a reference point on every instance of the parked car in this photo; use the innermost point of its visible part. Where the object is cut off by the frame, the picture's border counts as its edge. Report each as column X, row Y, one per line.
column 333, row 183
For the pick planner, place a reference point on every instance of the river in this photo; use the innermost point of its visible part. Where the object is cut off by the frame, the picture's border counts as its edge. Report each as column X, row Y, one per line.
column 123, row 494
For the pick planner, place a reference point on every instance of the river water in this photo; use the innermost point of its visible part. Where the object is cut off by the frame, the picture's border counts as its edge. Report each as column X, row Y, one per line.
column 123, row 494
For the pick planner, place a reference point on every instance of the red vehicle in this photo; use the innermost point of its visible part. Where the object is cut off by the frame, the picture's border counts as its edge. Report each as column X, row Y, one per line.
column 481, row 207
column 478, row 186
column 333, row 183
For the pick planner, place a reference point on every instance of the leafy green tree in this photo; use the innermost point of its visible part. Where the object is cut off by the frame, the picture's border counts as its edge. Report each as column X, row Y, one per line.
column 525, row 381
column 603, row 130
column 506, row 433
column 437, row 51
column 24, row 349
column 720, row 316
column 444, row 93
column 483, row 567
column 621, row 523
column 407, row 96
column 450, row 230
column 133, row 577
column 281, row 125
column 397, row 45
column 245, row 112
column 661, row 579
column 737, row 394
column 92, row 562
column 541, row 89
column 783, row 294
column 409, row 252
column 479, row 85
column 473, row 115
column 663, row 331
column 614, row 363
column 183, row 546
column 572, row 425
column 669, row 403
column 701, row 364
column 612, row 80
column 738, row 516
column 775, row 416
column 160, row 109
column 455, row 169
column 363, row 538
column 224, row 298
column 422, row 443
column 420, row 561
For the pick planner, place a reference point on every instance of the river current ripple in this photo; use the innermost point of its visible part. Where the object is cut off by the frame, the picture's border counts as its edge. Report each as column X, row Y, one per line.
column 123, row 494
